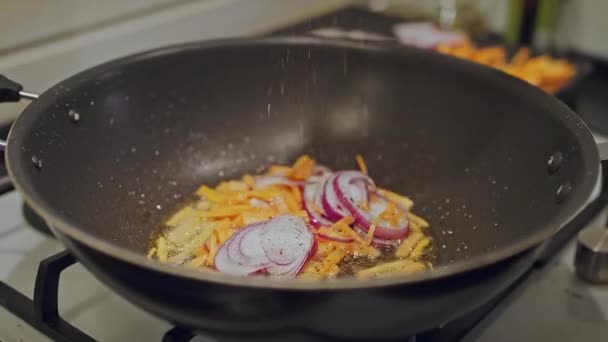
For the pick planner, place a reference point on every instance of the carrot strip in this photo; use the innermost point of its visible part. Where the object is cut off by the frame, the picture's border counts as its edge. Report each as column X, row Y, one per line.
column 331, row 233
column 211, row 194
column 371, row 231
column 361, row 163
column 309, row 276
column 280, row 170
column 198, row 261
column 418, row 220
column 212, row 249
column 346, row 220
column 312, row 270
column 223, row 187
column 302, row 213
column 405, row 202
column 332, row 271
column 351, row 232
column 297, row 195
column 406, row 270
column 333, row 259
column 302, row 168
column 161, row 249
column 290, row 201
column 238, row 221
column 201, row 250
column 179, row 216
column 249, row 180
column 224, row 231
column 408, row 244
column 223, row 212
column 419, row 249
column 151, row 252
column 257, row 216
column 393, row 267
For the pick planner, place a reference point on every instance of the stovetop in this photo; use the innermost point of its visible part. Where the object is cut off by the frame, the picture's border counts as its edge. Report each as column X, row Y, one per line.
column 549, row 304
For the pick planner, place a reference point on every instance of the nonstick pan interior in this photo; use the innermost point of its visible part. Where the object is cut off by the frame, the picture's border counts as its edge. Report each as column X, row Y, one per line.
column 468, row 144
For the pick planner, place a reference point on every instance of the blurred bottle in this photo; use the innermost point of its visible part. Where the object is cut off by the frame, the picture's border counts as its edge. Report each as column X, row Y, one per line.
column 462, row 15
column 532, row 22
column 449, row 14
column 546, row 25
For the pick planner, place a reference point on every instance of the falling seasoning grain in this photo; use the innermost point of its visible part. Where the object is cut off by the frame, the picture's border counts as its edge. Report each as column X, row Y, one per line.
column 74, row 116
column 37, row 162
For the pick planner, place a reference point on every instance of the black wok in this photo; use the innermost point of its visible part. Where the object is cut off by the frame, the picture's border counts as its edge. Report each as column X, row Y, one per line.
column 471, row 145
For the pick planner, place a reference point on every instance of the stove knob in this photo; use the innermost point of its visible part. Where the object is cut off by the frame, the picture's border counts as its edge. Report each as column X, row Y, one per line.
column 591, row 259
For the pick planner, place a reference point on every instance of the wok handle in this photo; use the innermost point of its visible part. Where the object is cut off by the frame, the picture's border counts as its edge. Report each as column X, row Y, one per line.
column 11, row 91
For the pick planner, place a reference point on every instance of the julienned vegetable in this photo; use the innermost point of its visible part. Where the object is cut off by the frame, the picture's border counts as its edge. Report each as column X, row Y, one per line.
column 357, row 192
column 278, row 247
column 313, row 195
column 298, row 221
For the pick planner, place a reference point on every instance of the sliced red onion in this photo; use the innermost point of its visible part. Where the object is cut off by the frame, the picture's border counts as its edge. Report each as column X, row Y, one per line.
column 313, row 249
column 224, row 264
column 279, row 247
column 349, row 187
column 264, row 181
column 250, row 246
column 231, row 259
column 320, row 171
column 246, row 253
column 332, row 205
column 284, row 238
column 286, row 271
column 292, row 270
column 313, row 192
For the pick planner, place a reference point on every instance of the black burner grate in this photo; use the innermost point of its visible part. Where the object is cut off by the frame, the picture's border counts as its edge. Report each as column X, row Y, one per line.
column 42, row 312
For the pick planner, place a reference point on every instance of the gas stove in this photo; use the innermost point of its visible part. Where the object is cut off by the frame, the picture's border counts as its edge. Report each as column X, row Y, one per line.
column 46, row 295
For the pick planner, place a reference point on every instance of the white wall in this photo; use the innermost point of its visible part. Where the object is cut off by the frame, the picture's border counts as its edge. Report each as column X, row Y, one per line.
column 45, row 62
column 584, row 26
column 24, row 22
